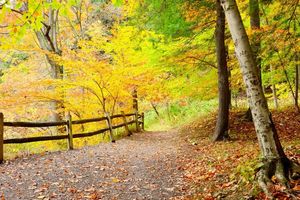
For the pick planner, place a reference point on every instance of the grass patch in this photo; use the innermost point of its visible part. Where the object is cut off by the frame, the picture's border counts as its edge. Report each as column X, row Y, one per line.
column 178, row 113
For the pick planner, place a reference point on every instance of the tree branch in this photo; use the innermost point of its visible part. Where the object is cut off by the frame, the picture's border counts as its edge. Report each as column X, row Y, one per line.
column 200, row 60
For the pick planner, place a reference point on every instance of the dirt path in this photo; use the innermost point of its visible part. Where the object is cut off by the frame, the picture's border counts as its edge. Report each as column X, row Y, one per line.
column 143, row 166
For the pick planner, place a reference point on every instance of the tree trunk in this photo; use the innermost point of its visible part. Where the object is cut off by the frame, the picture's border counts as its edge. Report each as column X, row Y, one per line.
column 275, row 98
column 154, row 108
column 290, row 84
column 248, row 115
column 229, row 78
column 297, row 77
column 255, row 25
column 274, row 91
column 47, row 38
column 221, row 131
column 274, row 158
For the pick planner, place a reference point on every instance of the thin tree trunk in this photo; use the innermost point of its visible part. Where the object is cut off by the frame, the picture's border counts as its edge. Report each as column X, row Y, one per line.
column 230, row 92
column 297, row 76
column 275, row 98
column 297, row 83
column 289, row 82
column 168, row 111
column 221, row 131
column 274, row 158
column 154, row 108
column 255, row 25
column 274, row 91
column 294, row 96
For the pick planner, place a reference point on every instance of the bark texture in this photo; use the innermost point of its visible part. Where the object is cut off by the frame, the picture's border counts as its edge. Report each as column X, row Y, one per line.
column 221, row 131
column 274, row 158
column 255, row 25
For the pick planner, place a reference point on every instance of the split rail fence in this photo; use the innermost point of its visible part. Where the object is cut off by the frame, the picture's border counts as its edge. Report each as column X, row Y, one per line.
column 138, row 120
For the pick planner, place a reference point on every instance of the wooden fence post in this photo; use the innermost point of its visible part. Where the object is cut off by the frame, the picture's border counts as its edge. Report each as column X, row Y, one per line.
column 137, row 126
column 109, row 124
column 143, row 121
column 128, row 132
column 1, row 137
column 70, row 131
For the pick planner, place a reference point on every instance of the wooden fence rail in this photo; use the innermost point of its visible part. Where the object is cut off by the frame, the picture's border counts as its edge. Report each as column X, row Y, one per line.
column 138, row 120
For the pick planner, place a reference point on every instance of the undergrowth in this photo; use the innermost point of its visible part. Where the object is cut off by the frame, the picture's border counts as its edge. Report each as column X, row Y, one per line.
column 177, row 114
column 12, row 151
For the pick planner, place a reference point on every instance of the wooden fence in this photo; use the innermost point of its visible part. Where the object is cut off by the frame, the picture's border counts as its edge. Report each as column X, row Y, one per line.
column 138, row 120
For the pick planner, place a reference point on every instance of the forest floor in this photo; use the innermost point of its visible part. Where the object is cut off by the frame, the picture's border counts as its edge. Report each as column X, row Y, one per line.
column 182, row 164
column 143, row 166
column 226, row 170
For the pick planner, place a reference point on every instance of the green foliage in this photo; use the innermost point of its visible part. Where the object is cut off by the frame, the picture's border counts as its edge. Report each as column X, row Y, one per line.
column 117, row 2
column 247, row 170
column 178, row 113
column 164, row 17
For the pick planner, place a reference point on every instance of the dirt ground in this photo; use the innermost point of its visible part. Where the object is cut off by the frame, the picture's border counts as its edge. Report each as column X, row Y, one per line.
column 143, row 166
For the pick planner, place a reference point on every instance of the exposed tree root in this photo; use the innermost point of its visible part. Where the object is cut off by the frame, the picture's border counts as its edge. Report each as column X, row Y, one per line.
column 283, row 170
column 220, row 136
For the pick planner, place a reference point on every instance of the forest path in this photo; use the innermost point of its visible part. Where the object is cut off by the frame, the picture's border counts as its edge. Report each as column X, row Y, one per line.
column 143, row 166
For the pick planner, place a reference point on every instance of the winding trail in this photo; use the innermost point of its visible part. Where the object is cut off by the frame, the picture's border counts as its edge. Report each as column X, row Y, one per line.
column 143, row 166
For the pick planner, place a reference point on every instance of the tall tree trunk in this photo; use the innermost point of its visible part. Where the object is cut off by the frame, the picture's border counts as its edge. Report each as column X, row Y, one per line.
column 255, row 25
column 297, row 77
column 221, row 131
column 274, row 158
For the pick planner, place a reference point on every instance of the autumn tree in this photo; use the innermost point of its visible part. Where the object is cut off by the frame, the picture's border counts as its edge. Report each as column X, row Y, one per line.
column 48, row 41
column 275, row 162
column 44, row 22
